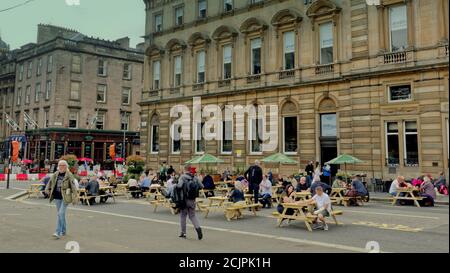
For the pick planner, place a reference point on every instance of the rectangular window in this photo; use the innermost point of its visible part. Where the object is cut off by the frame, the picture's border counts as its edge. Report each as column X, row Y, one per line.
column 201, row 55
column 75, row 90
column 76, row 64
column 289, row 50
column 227, row 136
column 21, row 72
column 256, row 56
column 158, row 22
column 48, row 90
column 127, row 71
column 124, row 121
column 179, row 12
column 228, row 5
column 155, row 139
column 19, row 96
column 49, row 63
column 227, row 61
column 36, row 116
column 156, row 74
column 126, row 95
column 202, row 9
column 177, row 69
column 100, row 121
column 46, row 117
column 28, row 94
column 399, row 93
column 39, row 67
column 290, row 134
column 256, row 135
column 73, row 119
column 101, row 93
column 30, row 69
column 102, row 67
column 199, row 140
column 326, row 43
column 398, row 28
column 411, row 144
column 176, row 138
column 37, row 94
column 26, row 123
column 392, row 144
column 328, row 125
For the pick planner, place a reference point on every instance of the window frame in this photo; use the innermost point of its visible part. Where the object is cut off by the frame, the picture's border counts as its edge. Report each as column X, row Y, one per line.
column 129, row 95
column 222, row 127
column 330, row 23
column 386, row 133
column 154, row 74
column 155, row 15
column 199, row 11
column 76, row 120
column 175, row 9
column 104, row 68
column 72, row 70
column 175, row 74
column 49, row 63
column 390, row 26
column 104, row 93
column 39, row 67
column 128, row 76
column 37, row 94
column 252, row 72
column 201, row 51
column 284, row 134
column 294, row 52
column 224, row 63
column 172, row 141
column 48, row 90
column 79, row 91
column 405, row 150
column 151, row 139
column 399, row 85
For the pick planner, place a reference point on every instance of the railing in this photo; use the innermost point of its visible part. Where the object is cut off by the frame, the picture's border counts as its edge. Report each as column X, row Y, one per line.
column 395, row 57
column 253, row 78
column 324, row 69
column 223, row 83
column 286, row 74
column 198, row 86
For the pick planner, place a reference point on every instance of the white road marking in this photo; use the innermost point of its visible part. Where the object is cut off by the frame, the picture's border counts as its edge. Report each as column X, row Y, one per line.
column 288, row 239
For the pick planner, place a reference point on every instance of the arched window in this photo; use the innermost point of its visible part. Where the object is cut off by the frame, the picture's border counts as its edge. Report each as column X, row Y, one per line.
column 225, row 38
column 254, row 30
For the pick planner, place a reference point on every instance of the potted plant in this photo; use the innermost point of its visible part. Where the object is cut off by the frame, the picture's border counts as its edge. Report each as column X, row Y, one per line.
column 72, row 160
column 135, row 166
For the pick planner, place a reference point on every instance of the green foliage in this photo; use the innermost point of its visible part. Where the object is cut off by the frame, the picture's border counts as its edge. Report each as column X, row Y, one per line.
column 71, row 160
column 135, row 165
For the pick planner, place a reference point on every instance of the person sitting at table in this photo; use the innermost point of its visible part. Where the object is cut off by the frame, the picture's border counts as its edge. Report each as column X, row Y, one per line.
column 170, row 184
column 357, row 188
column 416, row 182
column 112, row 181
column 323, row 204
column 317, row 183
column 208, row 185
column 92, row 189
column 144, row 184
column 265, row 191
column 397, row 184
column 441, row 184
column 133, row 186
column 152, row 177
column 83, row 182
column 244, row 184
column 302, row 185
column 427, row 192
column 237, row 194
column 288, row 196
column 339, row 183
column 226, row 175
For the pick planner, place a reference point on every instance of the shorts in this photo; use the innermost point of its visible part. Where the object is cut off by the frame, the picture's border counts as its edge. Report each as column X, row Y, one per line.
column 324, row 213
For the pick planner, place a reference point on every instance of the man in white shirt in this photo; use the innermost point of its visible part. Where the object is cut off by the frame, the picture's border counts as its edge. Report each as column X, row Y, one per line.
column 265, row 189
column 323, row 204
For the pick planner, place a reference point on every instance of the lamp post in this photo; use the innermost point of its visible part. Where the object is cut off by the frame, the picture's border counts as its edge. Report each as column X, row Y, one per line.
column 123, row 113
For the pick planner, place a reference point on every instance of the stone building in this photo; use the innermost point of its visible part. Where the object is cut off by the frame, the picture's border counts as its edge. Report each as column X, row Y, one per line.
column 81, row 92
column 371, row 81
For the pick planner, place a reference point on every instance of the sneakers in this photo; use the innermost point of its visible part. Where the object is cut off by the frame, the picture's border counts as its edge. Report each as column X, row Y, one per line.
column 325, row 227
column 316, row 226
column 182, row 235
column 56, row 235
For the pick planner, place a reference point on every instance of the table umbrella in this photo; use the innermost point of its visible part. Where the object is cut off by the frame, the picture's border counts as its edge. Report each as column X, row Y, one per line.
column 27, row 161
column 344, row 159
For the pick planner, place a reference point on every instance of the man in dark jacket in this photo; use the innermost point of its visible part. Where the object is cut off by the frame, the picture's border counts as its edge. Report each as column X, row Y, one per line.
column 254, row 176
column 309, row 169
column 92, row 189
column 189, row 207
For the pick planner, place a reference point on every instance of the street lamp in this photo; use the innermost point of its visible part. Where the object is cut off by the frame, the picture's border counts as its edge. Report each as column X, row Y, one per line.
column 123, row 116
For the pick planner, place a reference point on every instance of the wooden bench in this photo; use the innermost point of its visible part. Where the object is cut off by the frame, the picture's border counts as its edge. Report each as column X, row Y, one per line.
column 234, row 211
column 346, row 200
column 82, row 195
column 215, row 203
column 162, row 201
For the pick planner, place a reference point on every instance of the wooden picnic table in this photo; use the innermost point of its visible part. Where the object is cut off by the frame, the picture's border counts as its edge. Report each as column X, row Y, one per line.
column 109, row 192
column 34, row 190
column 214, row 203
column 409, row 195
column 163, row 201
column 299, row 214
column 302, row 195
column 337, row 195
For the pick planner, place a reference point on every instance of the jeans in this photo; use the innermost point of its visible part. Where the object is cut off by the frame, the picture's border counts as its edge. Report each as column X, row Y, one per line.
column 266, row 199
column 61, row 216
column 254, row 188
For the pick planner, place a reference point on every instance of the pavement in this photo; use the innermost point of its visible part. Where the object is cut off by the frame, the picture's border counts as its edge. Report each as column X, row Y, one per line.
column 26, row 226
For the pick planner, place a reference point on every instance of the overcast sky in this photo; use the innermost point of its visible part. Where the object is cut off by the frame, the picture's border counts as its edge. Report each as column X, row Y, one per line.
column 107, row 19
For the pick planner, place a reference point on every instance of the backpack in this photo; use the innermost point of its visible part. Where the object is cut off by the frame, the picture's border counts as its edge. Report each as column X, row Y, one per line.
column 192, row 189
column 443, row 190
column 178, row 198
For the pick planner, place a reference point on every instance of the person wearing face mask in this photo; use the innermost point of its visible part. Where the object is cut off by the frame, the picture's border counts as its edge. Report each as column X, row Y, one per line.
column 63, row 190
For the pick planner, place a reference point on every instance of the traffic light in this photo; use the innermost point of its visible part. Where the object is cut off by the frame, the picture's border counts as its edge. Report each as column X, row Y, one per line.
column 112, row 151
column 15, row 151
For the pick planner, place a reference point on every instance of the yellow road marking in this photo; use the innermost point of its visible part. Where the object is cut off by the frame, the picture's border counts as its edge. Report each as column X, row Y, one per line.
column 388, row 226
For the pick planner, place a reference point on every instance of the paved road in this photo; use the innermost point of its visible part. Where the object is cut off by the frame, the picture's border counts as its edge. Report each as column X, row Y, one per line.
column 132, row 226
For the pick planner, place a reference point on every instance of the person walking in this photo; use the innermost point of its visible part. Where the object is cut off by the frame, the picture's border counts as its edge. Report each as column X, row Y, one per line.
column 254, row 175
column 190, row 186
column 62, row 189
